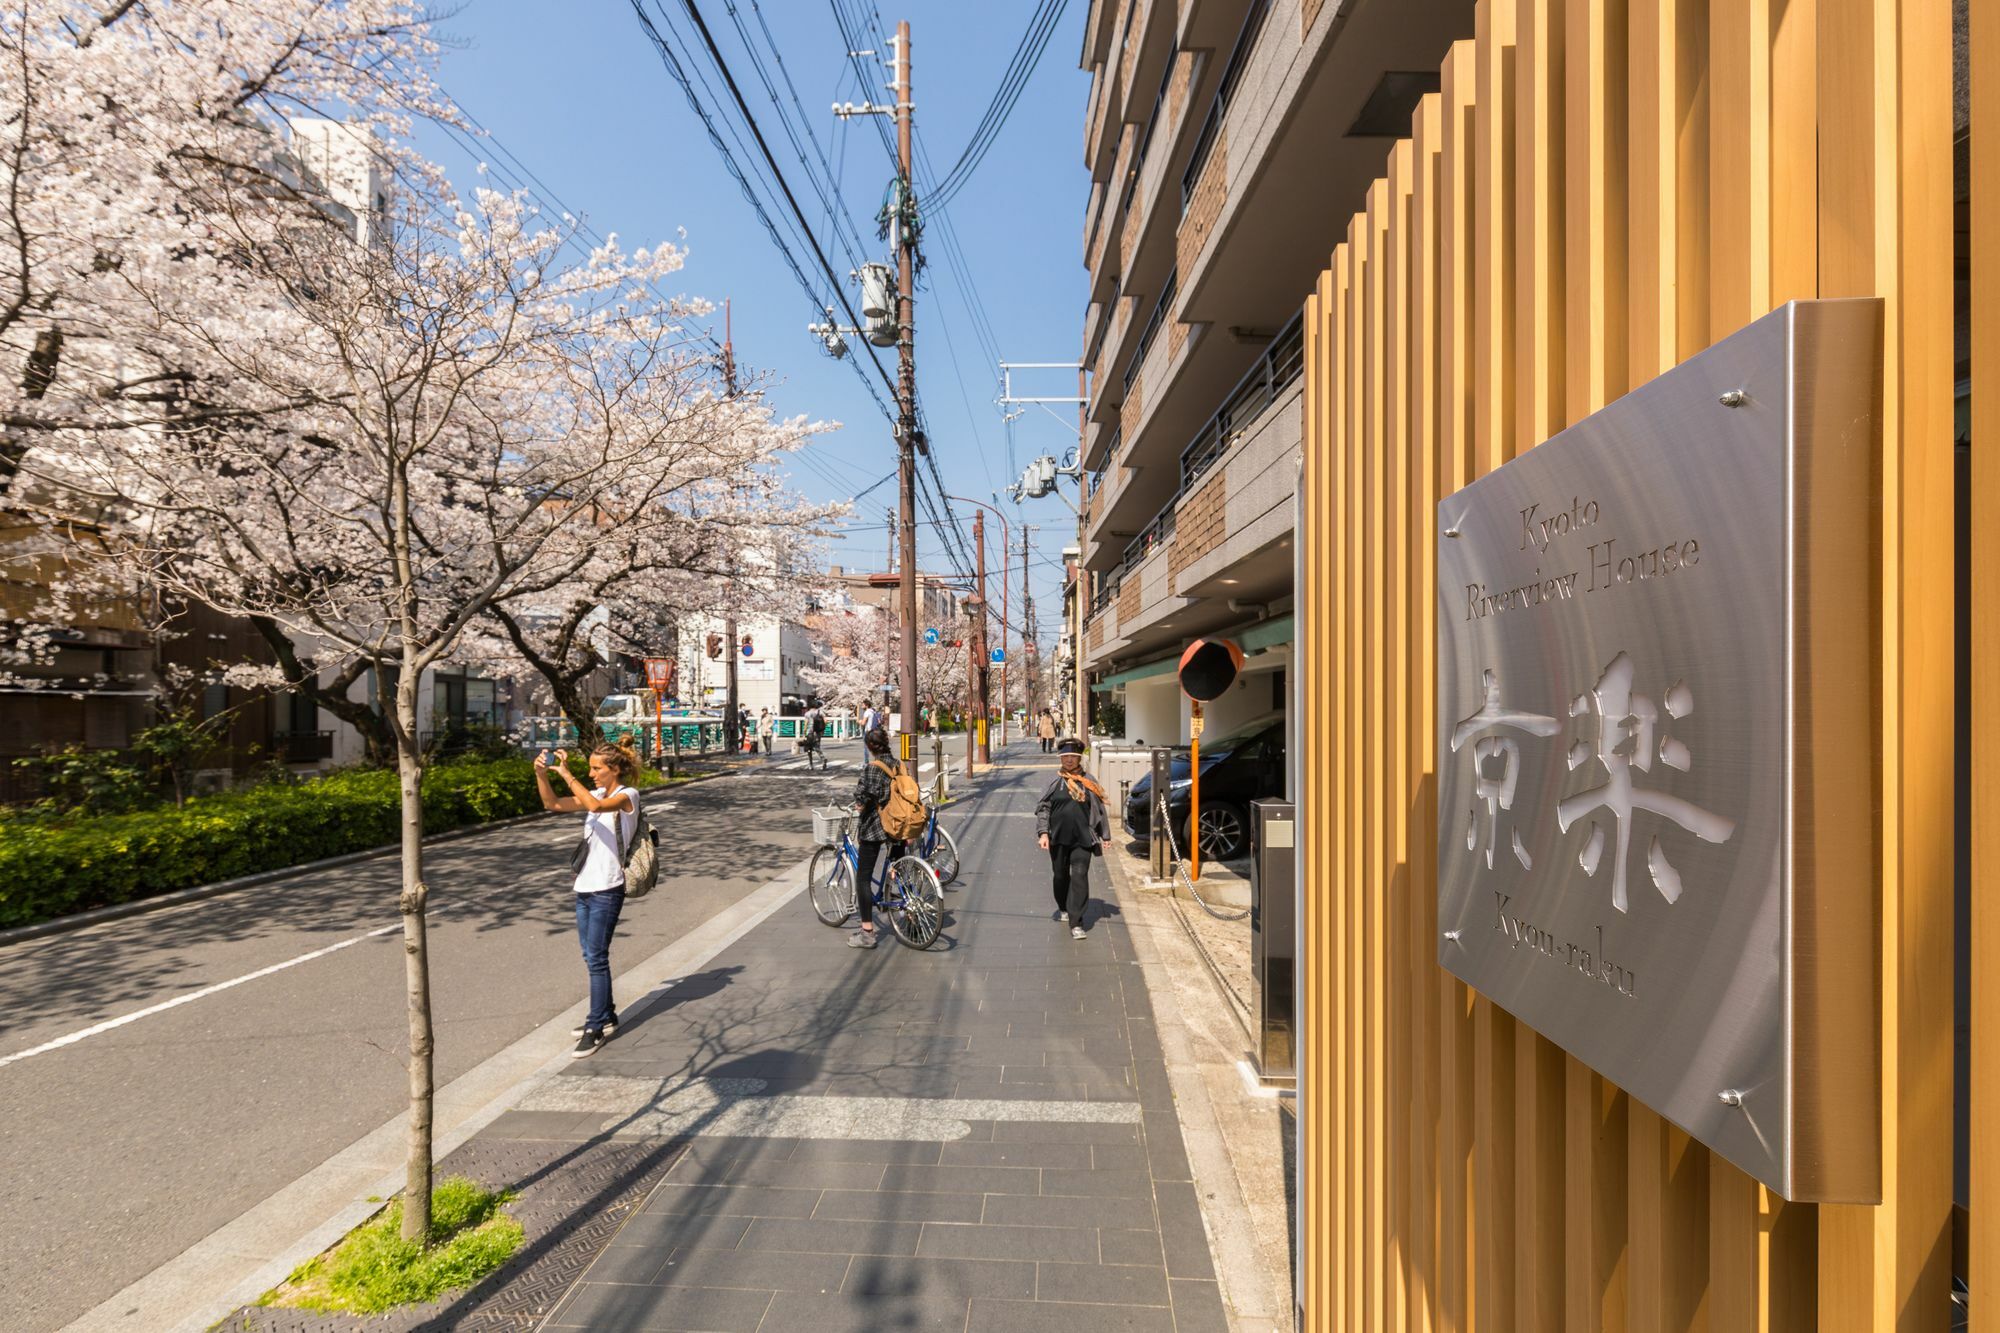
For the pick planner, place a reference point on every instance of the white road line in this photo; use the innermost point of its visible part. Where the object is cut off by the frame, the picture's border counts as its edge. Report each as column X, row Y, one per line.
column 110, row 1023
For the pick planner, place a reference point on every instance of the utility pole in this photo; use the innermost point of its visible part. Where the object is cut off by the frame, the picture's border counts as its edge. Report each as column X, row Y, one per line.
column 906, row 371
column 982, row 678
column 729, row 695
column 1082, row 510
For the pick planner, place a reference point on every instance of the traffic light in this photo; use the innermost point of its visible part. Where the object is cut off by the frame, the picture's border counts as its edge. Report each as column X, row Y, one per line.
column 715, row 645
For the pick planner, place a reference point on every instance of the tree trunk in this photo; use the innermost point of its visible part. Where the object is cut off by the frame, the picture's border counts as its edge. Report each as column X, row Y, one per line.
column 562, row 682
column 416, row 964
column 377, row 738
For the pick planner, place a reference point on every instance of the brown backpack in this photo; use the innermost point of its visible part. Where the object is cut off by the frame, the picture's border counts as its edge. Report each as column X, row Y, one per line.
column 903, row 814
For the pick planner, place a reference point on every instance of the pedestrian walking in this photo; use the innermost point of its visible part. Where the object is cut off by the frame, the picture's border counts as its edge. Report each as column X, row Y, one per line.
column 609, row 825
column 1047, row 730
column 871, row 718
column 871, row 793
column 1071, row 826
column 766, row 728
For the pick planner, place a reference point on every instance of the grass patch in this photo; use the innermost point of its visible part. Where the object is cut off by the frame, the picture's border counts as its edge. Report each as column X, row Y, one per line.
column 375, row 1269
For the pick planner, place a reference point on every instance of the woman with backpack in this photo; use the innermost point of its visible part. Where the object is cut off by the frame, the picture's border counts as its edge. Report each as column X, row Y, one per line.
column 609, row 826
column 1071, row 826
column 871, row 794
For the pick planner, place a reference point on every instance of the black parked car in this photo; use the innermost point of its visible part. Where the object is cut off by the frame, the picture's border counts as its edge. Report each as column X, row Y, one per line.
column 1247, row 765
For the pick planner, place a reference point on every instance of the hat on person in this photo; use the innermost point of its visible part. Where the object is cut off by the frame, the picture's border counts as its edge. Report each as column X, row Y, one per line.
column 1069, row 745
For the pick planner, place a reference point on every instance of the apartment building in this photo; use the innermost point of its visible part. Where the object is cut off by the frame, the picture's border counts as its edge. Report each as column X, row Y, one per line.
column 1228, row 141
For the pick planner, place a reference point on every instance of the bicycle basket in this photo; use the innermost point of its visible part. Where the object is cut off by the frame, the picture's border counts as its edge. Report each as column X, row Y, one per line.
column 829, row 823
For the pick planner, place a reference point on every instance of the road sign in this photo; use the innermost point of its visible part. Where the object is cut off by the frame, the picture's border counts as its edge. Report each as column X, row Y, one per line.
column 930, row 638
column 999, row 657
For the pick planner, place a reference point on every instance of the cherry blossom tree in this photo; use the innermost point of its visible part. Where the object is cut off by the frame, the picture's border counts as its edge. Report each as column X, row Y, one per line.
column 848, row 662
column 419, row 434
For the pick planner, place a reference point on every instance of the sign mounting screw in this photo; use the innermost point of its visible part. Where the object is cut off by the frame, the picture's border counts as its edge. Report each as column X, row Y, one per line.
column 1734, row 398
column 1730, row 1097
column 1452, row 935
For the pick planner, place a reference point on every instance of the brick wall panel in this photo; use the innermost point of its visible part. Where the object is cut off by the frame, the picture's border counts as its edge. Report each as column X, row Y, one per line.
column 1129, row 599
column 1204, row 206
column 1201, row 524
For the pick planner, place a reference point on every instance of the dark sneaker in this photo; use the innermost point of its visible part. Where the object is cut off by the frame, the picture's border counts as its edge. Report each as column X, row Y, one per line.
column 861, row 939
column 610, row 1030
column 587, row 1044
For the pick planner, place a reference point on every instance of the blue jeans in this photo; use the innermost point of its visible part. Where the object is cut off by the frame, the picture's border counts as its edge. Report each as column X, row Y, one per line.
column 596, row 918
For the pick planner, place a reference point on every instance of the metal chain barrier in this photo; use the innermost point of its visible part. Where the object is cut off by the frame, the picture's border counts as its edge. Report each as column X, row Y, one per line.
column 1181, row 873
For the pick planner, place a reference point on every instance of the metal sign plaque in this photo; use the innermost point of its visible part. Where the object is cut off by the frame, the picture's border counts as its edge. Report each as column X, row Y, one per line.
column 1658, row 745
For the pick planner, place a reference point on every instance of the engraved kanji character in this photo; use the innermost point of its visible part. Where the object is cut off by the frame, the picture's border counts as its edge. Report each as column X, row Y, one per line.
column 1629, row 737
column 1496, row 789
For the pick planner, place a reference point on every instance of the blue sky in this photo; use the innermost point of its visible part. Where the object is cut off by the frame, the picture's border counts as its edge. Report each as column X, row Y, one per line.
column 578, row 94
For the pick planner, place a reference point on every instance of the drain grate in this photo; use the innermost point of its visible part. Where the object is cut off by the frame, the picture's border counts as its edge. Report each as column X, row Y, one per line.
column 573, row 1197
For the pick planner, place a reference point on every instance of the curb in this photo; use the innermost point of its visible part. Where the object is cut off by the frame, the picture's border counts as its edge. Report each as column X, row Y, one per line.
column 62, row 925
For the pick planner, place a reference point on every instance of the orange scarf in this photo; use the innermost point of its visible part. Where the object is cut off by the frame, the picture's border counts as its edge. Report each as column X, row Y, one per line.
column 1079, row 783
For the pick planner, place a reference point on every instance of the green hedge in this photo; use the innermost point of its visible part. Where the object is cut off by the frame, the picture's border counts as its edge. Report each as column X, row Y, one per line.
column 51, row 868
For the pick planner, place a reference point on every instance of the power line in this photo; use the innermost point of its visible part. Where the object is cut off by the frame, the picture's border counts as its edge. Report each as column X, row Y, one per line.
column 1027, row 55
column 680, row 74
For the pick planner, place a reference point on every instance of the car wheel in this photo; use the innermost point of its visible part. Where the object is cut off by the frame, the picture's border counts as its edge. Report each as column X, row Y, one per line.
column 1225, row 832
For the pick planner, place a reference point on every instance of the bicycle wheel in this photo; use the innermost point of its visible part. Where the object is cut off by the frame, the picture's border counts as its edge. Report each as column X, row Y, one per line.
column 916, row 902
column 943, row 855
column 830, row 885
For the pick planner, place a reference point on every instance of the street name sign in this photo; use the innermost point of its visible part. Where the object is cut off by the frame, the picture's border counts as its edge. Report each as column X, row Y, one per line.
column 1658, row 754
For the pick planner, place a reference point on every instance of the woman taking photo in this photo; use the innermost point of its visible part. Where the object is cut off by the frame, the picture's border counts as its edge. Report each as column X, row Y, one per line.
column 1071, row 826
column 609, row 826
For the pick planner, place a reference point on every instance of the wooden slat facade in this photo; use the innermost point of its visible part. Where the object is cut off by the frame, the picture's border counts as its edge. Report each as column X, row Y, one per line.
column 1601, row 189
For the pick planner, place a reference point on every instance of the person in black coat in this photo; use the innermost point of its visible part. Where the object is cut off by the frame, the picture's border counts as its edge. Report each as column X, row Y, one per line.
column 1072, row 827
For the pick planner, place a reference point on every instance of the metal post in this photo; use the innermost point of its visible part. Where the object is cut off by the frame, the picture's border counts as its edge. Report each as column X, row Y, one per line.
column 937, row 756
column 1163, row 776
column 1194, row 795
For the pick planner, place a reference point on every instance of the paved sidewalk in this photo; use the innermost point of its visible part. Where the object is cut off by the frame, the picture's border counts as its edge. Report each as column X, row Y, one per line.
column 980, row 1136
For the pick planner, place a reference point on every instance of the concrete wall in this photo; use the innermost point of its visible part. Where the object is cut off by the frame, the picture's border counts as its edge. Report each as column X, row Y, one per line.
column 1153, row 711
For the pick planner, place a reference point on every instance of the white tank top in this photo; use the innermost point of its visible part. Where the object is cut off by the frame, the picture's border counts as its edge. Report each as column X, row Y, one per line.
column 603, row 869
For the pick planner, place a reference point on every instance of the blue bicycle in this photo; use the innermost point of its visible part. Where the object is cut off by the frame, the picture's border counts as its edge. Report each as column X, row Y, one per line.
column 937, row 846
column 906, row 889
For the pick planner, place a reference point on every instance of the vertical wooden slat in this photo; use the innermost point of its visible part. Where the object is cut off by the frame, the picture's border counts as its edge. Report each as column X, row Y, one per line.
column 1425, row 1174
column 1667, row 1181
column 1885, row 229
column 1343, row 727
column 1538, row 243
column 1983, row 1256
column 1494, row 1149
column 1398, row 733
column 1595, row 1252
column 1458, row 1202
column 1351, row 867
column 1372, row 886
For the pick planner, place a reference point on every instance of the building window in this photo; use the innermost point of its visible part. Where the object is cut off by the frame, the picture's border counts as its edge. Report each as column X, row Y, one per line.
column 214, row 700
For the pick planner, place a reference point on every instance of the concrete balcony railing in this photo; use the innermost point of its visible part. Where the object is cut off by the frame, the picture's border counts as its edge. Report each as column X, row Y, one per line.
column 1243, row 503
column 1147, row 590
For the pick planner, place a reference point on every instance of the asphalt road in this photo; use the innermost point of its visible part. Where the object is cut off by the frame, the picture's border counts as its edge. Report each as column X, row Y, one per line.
column 127, row 1145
